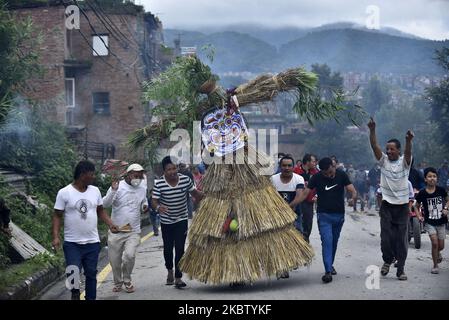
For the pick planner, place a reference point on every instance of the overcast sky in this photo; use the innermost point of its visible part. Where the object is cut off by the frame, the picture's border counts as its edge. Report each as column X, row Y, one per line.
column 424, row 18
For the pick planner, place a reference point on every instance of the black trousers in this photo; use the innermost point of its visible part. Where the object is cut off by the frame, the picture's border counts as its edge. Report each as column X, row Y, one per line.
column 394, row 220
column 174, row 236
column 307, row 218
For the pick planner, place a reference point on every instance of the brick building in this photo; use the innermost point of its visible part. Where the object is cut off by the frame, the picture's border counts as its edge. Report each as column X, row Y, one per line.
column 93, row 75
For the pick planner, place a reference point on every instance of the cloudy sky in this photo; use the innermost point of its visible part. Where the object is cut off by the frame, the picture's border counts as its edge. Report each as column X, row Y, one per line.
column 424, row 18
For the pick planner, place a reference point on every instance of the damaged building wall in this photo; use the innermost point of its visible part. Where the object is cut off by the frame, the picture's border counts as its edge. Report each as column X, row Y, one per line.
column 97, row 95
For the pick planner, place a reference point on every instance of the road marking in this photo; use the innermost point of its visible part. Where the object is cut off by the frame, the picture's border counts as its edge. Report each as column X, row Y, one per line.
column 105, row 272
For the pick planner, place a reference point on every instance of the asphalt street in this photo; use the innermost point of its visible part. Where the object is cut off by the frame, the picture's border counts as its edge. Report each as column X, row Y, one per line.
column 357, row 262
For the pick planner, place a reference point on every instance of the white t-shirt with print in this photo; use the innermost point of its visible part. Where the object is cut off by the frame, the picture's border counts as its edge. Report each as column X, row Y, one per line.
column 394, row 180
column 127, row 202
column 287, row 190
column 80, row 213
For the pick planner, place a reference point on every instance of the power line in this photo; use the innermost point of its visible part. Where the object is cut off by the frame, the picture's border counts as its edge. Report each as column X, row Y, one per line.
column 111, row 23
column 90, row 46
column 138, row 50
column 104, row 22
column 95, row 32
column 102, row 59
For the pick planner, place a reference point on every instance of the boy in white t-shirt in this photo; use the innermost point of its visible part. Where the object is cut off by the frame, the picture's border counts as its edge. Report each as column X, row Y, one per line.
column 81, row 205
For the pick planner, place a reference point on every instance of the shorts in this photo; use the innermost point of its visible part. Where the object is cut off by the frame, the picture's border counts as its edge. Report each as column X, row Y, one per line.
column 440, row 230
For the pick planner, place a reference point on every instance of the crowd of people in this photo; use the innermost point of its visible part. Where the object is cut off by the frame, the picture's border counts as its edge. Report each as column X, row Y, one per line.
column 307, row 185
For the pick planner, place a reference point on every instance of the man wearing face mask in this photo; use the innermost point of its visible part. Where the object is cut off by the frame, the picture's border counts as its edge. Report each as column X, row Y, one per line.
column 127, row 199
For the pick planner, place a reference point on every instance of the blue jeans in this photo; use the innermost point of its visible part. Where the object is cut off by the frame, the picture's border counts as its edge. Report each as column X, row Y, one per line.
column 155, row 220
column 329, row 225
column 84, row 256
column 298, row 221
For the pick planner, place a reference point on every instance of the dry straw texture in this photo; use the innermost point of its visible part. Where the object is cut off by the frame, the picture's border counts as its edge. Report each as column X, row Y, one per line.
column 266, row 241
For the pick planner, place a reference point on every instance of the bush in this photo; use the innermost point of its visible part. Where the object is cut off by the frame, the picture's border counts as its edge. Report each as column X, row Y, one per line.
column 18, row 273
column 33, row 145
column 4, row 247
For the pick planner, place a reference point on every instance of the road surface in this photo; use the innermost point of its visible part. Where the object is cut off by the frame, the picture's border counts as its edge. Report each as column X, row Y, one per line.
column 359, row 249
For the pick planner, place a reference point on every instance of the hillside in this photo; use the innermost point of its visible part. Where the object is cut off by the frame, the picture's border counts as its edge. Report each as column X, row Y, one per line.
column 342, row 49
column 362, row 51
column 233, row 51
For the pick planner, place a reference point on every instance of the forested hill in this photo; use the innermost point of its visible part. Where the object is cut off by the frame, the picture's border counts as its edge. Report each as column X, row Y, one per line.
column 342, row 49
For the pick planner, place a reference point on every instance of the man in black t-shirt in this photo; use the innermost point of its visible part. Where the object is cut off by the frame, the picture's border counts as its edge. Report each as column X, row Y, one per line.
column 433, row 200
column 330, row 185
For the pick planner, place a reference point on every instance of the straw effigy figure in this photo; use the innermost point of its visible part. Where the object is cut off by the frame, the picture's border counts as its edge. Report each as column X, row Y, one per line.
column 243, row 229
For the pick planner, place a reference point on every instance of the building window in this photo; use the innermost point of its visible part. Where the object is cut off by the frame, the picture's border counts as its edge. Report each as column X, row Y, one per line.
column 101, row 48
column 69, row 100
column 70, row 92
column 100, row 102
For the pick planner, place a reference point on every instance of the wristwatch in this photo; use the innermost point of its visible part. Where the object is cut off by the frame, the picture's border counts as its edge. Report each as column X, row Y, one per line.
column 157, row 208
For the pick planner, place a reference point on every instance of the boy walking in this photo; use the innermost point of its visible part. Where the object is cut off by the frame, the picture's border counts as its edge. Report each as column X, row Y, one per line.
column 434, row 202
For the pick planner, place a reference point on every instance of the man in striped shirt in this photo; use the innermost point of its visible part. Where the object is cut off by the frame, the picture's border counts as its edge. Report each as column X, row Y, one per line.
column 169, row 199
column 394, row 210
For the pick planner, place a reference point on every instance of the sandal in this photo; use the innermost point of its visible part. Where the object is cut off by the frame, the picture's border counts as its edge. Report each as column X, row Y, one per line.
column 117, row 288
column 385, row 269
column 129, row 287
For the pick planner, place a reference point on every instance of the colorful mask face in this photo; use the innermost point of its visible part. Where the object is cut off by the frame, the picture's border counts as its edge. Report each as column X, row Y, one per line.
column 223, row 132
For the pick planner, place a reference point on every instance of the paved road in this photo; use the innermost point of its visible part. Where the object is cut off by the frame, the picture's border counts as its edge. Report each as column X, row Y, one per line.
column 359, row 247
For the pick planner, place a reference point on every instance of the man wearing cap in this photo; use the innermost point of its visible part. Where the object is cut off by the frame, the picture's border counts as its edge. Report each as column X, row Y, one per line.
column 127, row 199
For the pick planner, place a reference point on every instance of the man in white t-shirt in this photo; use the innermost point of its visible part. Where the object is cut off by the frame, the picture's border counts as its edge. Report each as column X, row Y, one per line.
column 394, row 209
column 81, row 205
column 127, row 199
column 290, row 186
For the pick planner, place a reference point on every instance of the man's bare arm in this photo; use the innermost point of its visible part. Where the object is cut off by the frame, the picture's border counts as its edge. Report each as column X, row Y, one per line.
column 373, row 139
column 297, row 200
column 56, row 227
column 350, row 188
column 408, row 147
column 102, row 214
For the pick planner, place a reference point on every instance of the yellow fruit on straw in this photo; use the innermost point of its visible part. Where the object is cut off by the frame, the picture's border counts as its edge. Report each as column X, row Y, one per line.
column 234, row 225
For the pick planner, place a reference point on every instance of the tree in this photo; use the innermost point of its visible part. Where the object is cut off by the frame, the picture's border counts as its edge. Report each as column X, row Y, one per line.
column 375, row 95
column 179, row 92
column 328, row 82
column 438, row 97
column 332, row 138
column 394, row 121
column 17, row 61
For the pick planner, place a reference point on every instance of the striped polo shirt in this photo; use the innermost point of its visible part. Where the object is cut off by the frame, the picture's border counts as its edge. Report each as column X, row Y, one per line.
column 394, row 180
column 174, row 198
